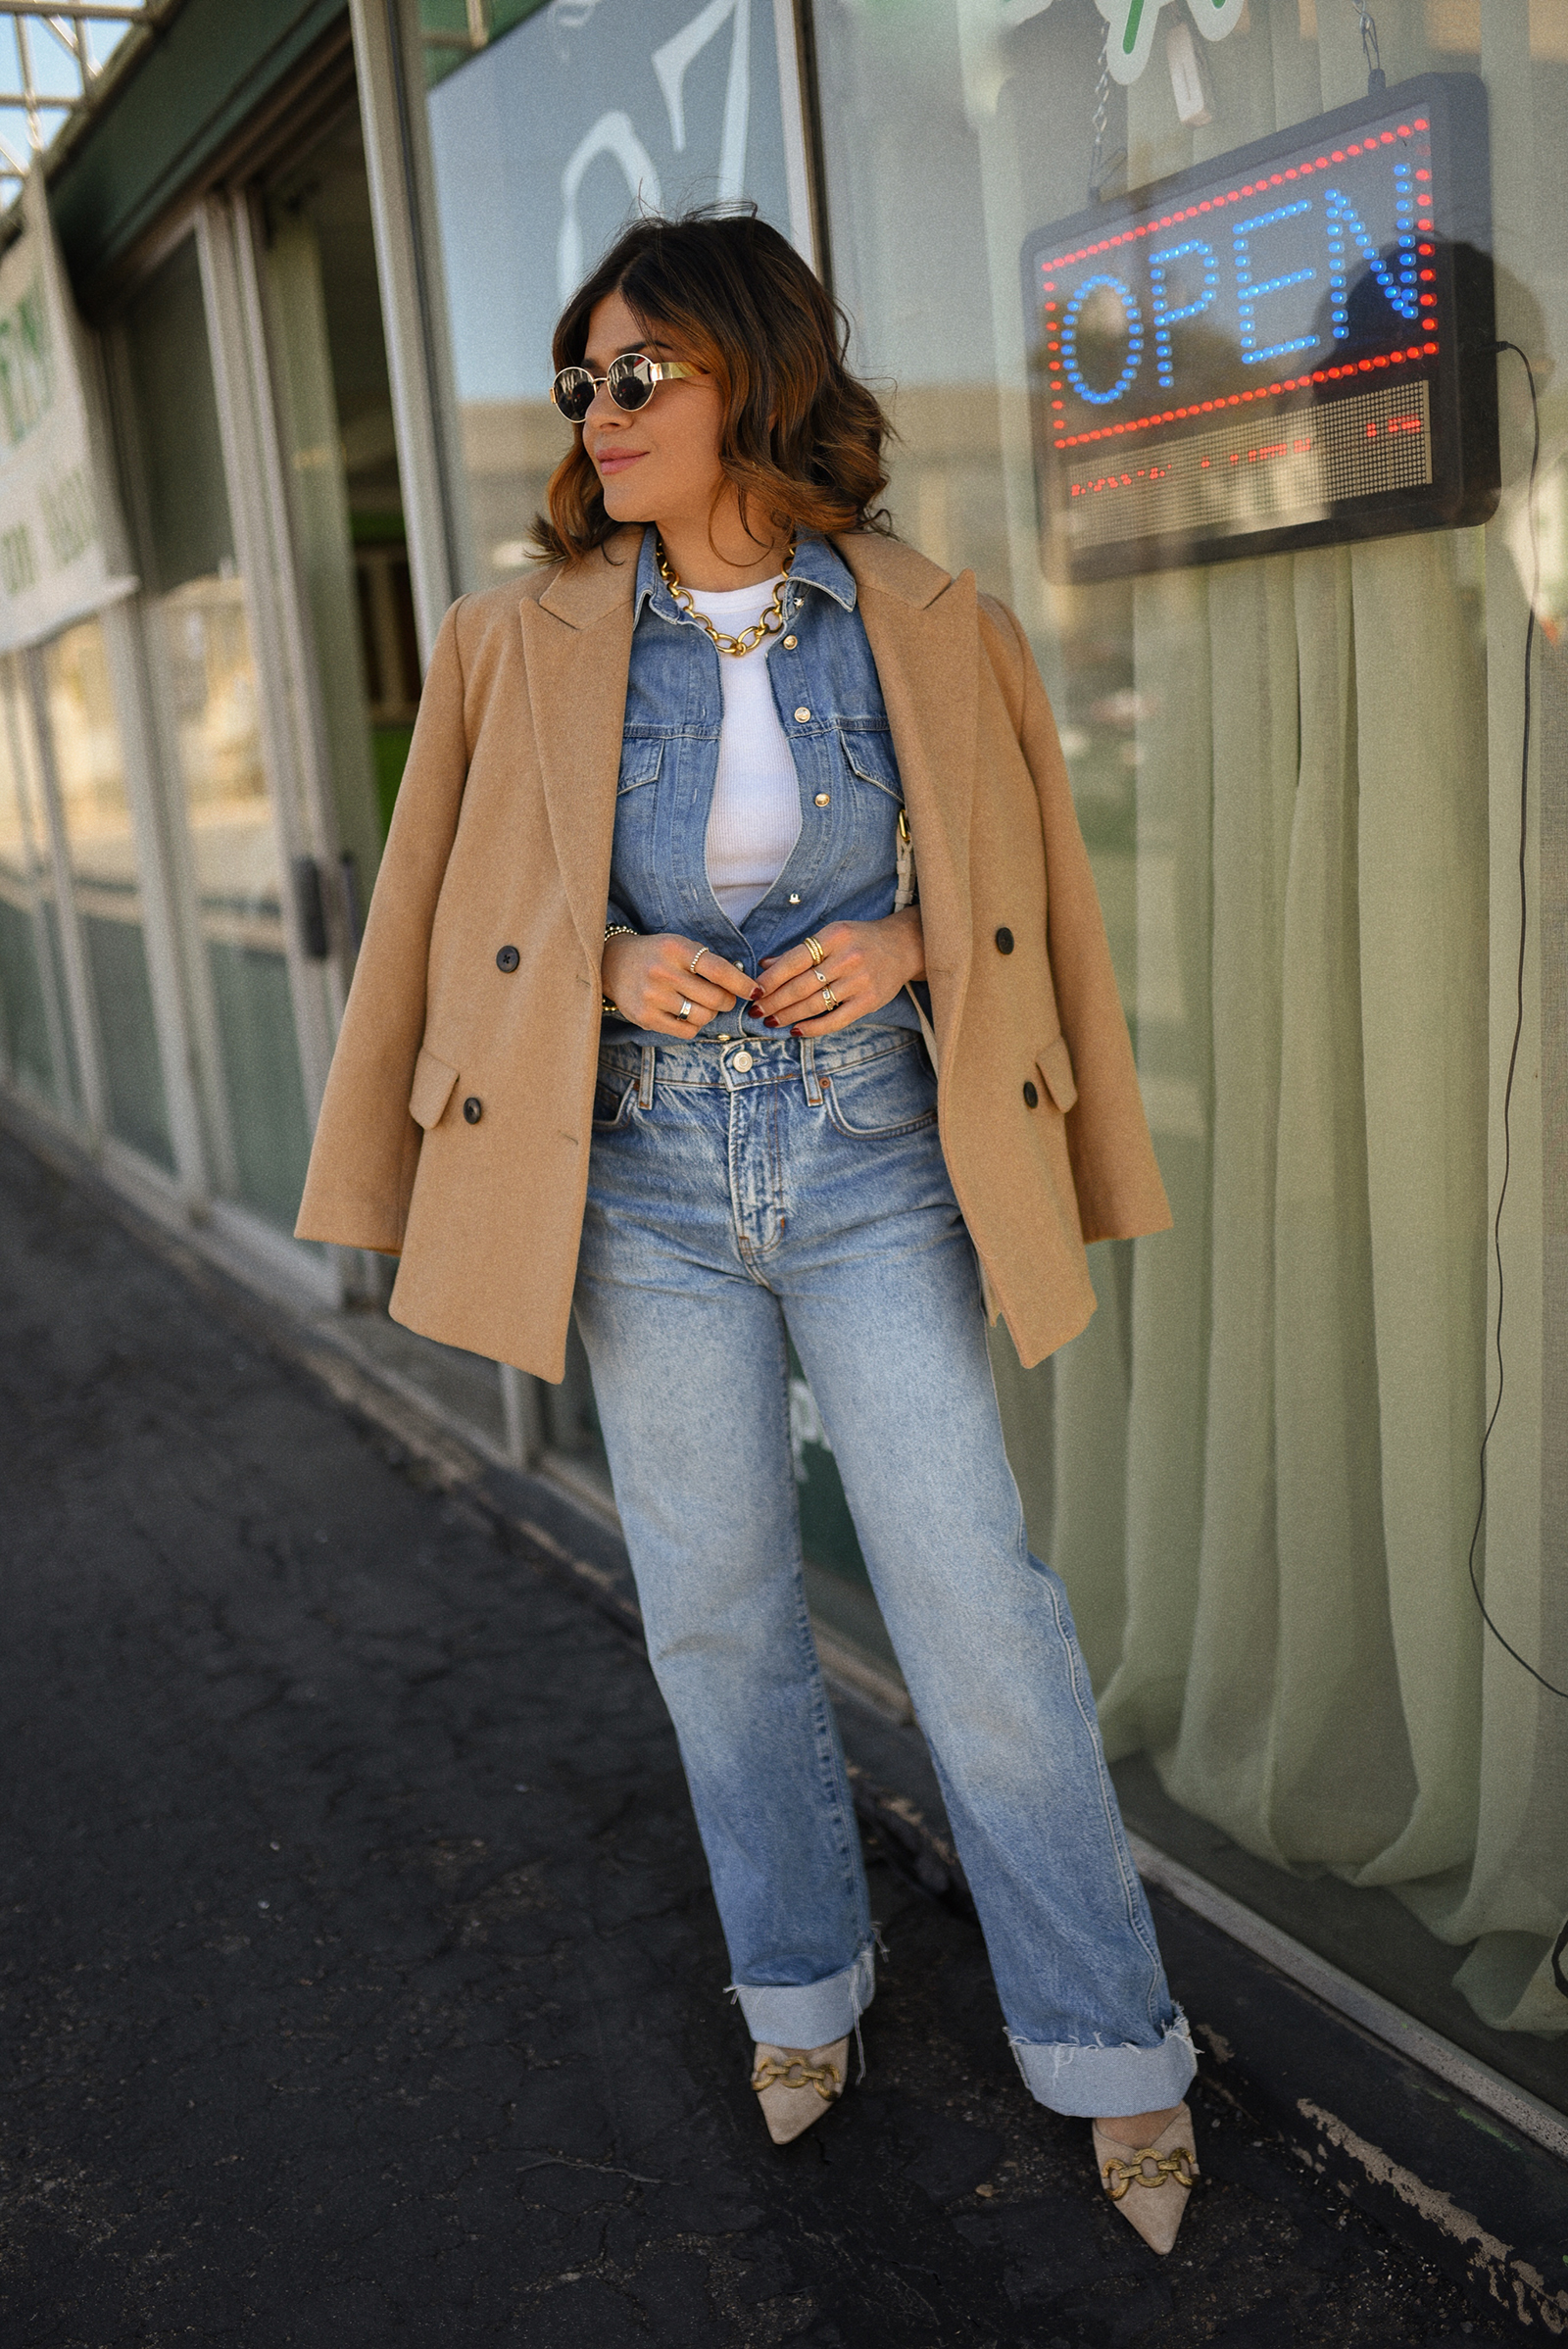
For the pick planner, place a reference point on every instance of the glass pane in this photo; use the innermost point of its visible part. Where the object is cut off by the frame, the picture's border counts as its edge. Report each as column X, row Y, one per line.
column 1259, row 1467
column 101, row 844
column 33, row 995
column 544, row 141
column 340, row 451
column 206, row 673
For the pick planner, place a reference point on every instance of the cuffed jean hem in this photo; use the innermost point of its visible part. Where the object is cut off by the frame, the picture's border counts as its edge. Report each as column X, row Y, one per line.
column 814, row 2015
column 1102, row 2082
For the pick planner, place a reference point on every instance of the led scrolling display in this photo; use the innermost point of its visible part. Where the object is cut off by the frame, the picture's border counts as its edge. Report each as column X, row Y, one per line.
column 1282, row 347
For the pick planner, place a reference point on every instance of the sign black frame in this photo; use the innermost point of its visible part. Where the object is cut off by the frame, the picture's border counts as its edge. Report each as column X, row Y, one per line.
column 1460, row 380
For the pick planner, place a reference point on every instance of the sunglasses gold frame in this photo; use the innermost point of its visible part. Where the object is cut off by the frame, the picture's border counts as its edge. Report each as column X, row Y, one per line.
column 630, row 367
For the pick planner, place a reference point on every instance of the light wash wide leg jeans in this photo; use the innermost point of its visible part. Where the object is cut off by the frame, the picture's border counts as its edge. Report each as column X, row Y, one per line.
column 808, row 1191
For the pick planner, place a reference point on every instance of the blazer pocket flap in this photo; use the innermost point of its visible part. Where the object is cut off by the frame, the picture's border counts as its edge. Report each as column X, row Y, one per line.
column 433, row 1081
column 1054, row 1064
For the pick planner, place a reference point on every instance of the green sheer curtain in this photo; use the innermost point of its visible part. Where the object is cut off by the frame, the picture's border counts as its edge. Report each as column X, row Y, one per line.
column 1257, row 1471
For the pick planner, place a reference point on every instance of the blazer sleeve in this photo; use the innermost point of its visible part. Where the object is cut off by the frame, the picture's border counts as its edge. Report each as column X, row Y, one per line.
column 1115, row 1173
column 367, row 1146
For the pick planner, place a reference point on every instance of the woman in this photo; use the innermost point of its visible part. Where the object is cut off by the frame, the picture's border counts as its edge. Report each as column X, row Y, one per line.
column 635, row 1032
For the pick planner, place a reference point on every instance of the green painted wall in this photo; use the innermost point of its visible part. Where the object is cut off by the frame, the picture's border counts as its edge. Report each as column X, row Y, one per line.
column 189, row 91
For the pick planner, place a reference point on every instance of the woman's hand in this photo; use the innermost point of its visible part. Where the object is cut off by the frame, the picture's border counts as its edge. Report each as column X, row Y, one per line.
column 648, row 979
column 863, row 965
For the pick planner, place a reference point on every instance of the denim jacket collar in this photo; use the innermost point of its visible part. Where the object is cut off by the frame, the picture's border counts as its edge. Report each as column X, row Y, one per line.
column 816, row 565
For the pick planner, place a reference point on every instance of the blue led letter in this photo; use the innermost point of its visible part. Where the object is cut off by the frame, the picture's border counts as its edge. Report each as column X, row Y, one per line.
column 1164, row 316
column 1403, row 294
column 1069, row 340
column 1249, row 293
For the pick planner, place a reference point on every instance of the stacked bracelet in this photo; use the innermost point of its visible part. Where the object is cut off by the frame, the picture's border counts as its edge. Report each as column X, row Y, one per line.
column 616, row 929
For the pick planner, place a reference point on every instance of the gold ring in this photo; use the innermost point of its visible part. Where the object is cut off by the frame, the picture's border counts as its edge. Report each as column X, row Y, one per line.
column 813, row 946
column 683, row 1009
column 830, row 1002
column 697, row 958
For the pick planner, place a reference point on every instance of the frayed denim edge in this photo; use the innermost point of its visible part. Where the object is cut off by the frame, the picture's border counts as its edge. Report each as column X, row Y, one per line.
column 1046, row 2069
column 858, row 1979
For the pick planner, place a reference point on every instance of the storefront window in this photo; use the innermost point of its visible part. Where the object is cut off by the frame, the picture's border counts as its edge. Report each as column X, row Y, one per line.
column 95, row 810
column 32, row 994
column 1298, row 778
column 544, row 140
column 207, row 690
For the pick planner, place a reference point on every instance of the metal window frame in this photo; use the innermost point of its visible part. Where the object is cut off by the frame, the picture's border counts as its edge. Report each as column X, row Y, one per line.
column 395, row 157
column 65, row 23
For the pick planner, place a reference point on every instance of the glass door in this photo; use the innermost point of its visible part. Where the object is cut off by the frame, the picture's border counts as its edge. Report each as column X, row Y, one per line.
column 333, row 405
column 79, row 734
column 34, row 997
column 207, row 703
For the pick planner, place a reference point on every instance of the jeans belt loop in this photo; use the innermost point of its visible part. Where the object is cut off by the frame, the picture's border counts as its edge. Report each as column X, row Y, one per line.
column 813, row 1083
column 645, row 1082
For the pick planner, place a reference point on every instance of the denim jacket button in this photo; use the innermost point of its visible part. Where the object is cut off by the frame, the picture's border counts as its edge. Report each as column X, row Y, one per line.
column 823, row 798
column 790, row 643
column 802, row 715
column 742, row 1061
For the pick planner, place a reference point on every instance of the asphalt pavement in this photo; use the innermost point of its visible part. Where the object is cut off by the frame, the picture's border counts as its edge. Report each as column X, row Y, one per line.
column 361, row 1988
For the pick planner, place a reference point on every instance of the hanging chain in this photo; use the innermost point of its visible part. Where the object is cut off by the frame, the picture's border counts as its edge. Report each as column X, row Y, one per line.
column 1376, row 78
column 1099, row 168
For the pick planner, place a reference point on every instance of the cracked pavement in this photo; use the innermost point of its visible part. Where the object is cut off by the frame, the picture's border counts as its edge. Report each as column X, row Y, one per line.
column 361, row 1982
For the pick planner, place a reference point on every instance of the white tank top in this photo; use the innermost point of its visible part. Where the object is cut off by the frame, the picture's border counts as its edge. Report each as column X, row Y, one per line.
column 756, row 815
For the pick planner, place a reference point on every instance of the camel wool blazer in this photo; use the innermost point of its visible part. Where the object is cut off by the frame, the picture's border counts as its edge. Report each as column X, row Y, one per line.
column 456, row 1125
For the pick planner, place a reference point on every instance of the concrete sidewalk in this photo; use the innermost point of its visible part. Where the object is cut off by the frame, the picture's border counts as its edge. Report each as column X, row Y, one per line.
column 361, row 1985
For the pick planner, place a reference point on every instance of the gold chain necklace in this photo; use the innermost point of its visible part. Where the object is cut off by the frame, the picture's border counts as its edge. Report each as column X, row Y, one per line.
column 771, row 621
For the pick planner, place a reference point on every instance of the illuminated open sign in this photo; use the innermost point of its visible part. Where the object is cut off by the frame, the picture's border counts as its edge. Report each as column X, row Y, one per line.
column 1284, row 347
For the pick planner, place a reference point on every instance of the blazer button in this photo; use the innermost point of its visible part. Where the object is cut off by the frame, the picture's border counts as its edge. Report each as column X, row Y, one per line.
column 1004, row 942
column 1030, row 1094
column 473, row 1107
column 508, row 958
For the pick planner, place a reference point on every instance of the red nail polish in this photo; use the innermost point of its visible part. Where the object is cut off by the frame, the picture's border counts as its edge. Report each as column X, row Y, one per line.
column 770, row 1023
column 797, row 1031
column 755, row 996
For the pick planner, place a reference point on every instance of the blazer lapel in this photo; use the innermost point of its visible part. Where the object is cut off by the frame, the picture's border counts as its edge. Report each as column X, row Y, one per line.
column 923, row 630
column 577, row 637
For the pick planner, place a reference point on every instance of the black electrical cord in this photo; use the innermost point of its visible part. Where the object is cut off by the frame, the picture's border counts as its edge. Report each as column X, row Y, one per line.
column 1518, row 1033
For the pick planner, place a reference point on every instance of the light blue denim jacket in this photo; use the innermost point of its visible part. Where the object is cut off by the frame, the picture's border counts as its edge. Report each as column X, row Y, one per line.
column 844, row 864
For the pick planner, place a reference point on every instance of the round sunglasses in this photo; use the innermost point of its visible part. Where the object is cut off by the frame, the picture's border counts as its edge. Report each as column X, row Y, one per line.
column 631, row 380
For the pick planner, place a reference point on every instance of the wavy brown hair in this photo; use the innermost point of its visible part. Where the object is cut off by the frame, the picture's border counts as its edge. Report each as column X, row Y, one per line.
column 800, row 436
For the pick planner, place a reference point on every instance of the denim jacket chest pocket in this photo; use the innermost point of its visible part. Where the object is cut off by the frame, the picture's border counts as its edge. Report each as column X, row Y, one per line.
column 869, row 754
column 641, row 757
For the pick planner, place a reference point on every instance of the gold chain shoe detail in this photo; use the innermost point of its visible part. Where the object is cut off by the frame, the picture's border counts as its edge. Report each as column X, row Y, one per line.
column 795, row 2085
column 1119, row 2175
column 1164, row 2172
column 827, row 2078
